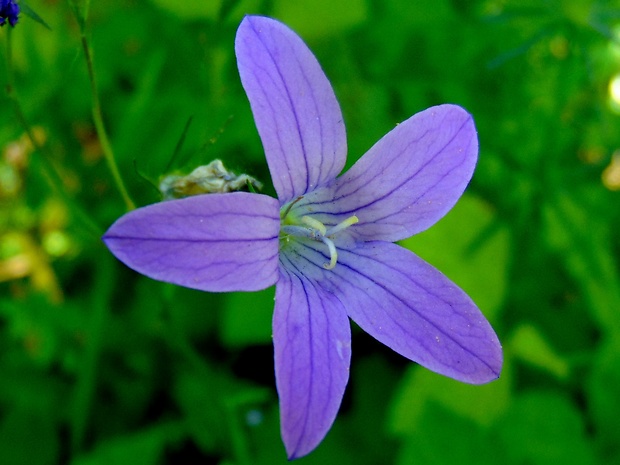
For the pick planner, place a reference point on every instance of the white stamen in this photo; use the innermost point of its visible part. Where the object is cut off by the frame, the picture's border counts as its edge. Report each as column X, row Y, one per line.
column 315, row 224
column 333, row 254
column 342, row 225
column 315, row 229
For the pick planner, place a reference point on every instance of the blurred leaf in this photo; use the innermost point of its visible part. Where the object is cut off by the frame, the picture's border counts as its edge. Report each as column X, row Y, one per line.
column 89, row 367
column 401, row 40
column 213, row 403
column 35, row 325
column 144, row 447
column 481, row 404
column 471, row 249
column 229, row 10
column 233, row 11
column 529, row 345
column 32, row 14
column 320, row 18
column 192, row 314
column 366, row 112
column 28, row 437
column 603, row 386
column 541, row 428
column 583, row 241
column 373, row 383
column 447, row 438
column 207, row 9
column 246, row 318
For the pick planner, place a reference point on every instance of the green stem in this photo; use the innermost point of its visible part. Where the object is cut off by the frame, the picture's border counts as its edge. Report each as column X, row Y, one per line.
column 50, row 172
column 100, row 127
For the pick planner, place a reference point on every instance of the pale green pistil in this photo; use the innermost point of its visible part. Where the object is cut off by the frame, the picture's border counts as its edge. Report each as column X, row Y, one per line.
column 311, row 228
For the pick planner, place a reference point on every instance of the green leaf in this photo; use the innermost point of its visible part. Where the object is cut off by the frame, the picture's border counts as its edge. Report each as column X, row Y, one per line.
column 28, row 436
column 144, row 447
column 603, row 386
column 25, row 8
column 320, row 18
column 541, row 428
column 214, row 10
column 480, row 404
column 200, row 400
column 246, row 318
column 583, row 241
column 216, row 408
column 529, row 345
column 372, row 380
column 208, row 9
column 447, row 438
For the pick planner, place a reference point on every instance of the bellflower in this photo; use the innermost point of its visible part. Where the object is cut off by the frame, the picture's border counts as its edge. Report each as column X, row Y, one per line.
column 9, row 10
column 326, row 242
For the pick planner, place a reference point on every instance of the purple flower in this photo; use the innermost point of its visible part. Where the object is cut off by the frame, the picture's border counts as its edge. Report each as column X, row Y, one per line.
column 9, row 9
column 326, row 242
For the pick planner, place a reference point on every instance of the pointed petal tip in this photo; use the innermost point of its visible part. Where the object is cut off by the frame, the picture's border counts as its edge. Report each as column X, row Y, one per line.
column 292, row 454
column 297, row 447
column 214, row 243
column 412, row 308
column 247, row 22
column 257, row 19
column 297, row 451
column 485, row 378
column 425, row 162
column 497, row 369
column 312, row 339
column 294, row 106
column 454, row 108
column 493, row 367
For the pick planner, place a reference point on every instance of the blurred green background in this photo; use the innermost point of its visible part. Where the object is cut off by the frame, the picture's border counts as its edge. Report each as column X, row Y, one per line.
column 99, row 365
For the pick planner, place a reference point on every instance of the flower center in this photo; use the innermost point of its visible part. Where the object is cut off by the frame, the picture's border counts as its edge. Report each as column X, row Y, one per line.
column 311, row 228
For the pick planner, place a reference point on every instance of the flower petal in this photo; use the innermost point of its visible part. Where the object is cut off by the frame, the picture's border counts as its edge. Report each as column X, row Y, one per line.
column 408, row 180
column 411, row 307
column 213, row 242
column 294, row 106
column 312, row 343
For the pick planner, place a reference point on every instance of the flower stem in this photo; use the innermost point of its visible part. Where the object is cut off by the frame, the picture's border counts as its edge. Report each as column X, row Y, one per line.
column 50, row 172
column 100, row 127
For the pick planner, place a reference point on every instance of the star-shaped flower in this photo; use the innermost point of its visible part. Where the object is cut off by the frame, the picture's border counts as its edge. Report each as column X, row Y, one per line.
column 9, row 10
column 326, row 241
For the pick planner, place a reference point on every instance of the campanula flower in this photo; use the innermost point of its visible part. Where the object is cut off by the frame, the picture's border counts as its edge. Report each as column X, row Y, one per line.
column 9, row 10
column 326, row 242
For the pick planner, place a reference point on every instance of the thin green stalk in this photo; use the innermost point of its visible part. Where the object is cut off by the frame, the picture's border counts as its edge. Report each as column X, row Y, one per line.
column 80, row 15
column 49, row 170
column 100, row 127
